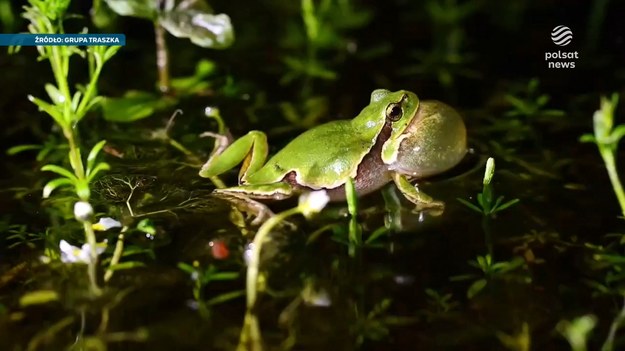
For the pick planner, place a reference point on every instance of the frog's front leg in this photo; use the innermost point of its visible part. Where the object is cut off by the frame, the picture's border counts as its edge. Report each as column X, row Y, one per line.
column 251, row 149
column 416, row 196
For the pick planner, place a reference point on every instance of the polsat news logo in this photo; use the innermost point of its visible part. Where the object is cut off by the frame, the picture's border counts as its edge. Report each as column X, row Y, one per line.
column 561, row 36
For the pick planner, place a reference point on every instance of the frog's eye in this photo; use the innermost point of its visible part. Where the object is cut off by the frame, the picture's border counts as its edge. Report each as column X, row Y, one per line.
column 394, row 112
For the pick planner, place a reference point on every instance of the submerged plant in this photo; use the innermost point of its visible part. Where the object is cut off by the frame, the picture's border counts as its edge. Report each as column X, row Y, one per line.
column 491, row 270
column 487, row 204
column 202, row 277
column 309, row 204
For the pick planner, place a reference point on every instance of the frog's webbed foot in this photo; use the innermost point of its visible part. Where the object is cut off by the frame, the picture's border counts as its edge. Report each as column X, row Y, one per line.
column 254, row 208
column 433, row 208
column 423, row 202
column 258, row 210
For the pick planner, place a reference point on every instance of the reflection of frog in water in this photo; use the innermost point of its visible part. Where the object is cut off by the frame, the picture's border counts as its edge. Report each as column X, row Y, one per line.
column 395, row 138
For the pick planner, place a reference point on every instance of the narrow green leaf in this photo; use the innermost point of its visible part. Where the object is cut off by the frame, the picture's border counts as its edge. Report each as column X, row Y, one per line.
column 38, row 297
column 225, row 297
column 51, row 110
column 224, row 276
column 186, row 267
column 76, row 100
column 469, row 205
column 83, row 112
column 618, row 133
column 60, row 171
column 517, row 103
column 93, row 154
column 587, row 138
column 21, row 148
column 496, row 205
column 55, row 94
column 54, row 184
column 542, row 100
column 508, row 204
column 126, row 265
column 476, row 287
column 110, row 52
column 102, row 166
column 376, row 234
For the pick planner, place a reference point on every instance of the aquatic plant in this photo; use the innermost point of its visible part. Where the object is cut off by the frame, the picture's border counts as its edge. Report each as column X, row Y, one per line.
column 488, row 206
column 67, row 109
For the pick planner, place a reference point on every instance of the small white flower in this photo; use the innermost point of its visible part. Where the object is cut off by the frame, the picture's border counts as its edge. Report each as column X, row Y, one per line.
column 83, row 211
column 106, row 223
column 313, row 202
column 73, row 254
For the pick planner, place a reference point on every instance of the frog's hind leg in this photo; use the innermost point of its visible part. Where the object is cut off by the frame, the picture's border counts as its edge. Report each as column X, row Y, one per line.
column 251, row 149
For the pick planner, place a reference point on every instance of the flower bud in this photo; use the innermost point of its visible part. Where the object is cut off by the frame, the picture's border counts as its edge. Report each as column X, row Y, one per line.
column 83, row 211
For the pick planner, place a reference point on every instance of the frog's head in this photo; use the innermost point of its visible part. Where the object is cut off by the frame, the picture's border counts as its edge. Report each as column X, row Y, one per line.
column 400, row 109
column 434, row 141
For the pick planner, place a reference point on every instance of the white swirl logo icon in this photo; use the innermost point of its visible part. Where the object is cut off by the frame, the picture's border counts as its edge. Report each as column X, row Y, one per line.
column 561, row 35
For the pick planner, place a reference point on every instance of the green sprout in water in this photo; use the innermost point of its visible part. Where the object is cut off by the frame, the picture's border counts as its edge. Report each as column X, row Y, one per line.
column 607, row 137
column 488, row 205
column 486, row 202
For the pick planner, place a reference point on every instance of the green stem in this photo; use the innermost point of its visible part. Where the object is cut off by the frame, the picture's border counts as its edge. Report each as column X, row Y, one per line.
column 93, row 258
column 89, row 93
column 250, row 338
column 608, row 345
column 254, row 264
column 162, row 58
column 117, row 254
column 610, row 164
column 74, row 155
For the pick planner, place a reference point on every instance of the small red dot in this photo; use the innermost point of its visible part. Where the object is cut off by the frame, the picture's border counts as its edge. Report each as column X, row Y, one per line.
column 219, row 249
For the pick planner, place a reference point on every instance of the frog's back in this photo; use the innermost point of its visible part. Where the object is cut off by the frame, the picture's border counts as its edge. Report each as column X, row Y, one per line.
column 323, row 157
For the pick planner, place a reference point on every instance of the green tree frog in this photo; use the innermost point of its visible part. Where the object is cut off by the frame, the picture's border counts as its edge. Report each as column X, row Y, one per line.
column 395, row 138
